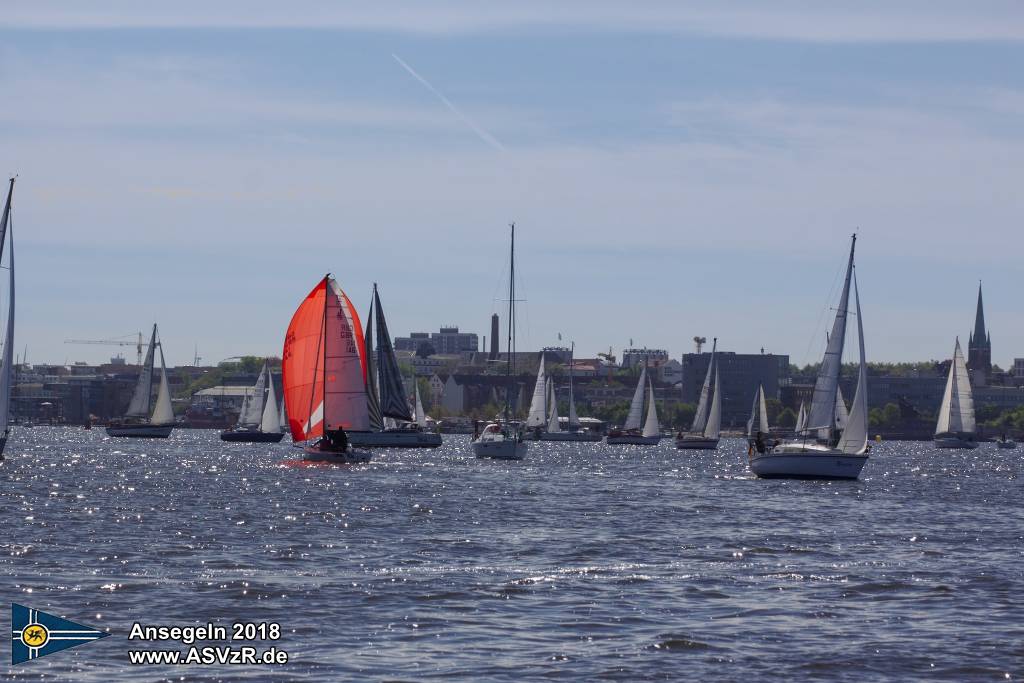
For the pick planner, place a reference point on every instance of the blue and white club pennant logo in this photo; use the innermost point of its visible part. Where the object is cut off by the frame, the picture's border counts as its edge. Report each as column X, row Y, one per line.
column 35, row 634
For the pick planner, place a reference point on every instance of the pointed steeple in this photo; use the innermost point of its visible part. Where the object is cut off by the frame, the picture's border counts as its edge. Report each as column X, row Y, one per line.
column 980, row 335
column 979, row 345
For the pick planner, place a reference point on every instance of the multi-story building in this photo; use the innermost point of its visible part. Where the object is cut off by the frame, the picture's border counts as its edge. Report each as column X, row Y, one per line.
column 446, row 341
column 739, row 374
column 652, row 357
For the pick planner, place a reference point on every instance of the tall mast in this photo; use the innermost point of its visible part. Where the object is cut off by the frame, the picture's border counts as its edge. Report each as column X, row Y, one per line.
column 511, row 319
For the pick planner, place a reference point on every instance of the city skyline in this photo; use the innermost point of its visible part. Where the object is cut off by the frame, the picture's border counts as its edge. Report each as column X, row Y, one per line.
column 672, row 172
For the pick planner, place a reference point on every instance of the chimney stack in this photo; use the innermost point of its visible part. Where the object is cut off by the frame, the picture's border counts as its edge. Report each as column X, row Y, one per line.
column 494, row 338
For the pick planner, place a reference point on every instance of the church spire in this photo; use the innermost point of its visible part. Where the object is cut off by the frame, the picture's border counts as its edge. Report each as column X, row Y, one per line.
column 980, row 336
column 979, row 346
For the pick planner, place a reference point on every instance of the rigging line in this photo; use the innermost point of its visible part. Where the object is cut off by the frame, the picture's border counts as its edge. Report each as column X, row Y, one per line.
column 823, row 311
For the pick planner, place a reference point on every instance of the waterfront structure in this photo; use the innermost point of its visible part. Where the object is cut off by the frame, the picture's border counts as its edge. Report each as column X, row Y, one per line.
column 650, row 358
column 740, row 375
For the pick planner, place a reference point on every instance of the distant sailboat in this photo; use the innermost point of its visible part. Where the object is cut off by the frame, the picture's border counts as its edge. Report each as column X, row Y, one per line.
column 323, row 371
column 801, row 419
column 7, row 370
column 821, row 450
column 554, row 431
column 503, row 439
column 956, row 426
column 758, row 422
column 145, row 419
column 259, row 421
column 537, row 417
column 707, row 421
column 392, row 424
column 632, row 433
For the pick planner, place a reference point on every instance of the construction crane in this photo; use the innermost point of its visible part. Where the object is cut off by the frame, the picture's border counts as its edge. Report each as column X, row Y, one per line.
column 700, row 342
column 138, row 343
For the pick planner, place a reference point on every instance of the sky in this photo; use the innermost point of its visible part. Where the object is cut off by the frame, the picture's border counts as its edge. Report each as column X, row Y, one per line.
column 673, row 169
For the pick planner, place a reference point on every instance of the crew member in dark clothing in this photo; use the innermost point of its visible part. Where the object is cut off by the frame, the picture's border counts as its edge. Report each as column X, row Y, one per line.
column 337, row 439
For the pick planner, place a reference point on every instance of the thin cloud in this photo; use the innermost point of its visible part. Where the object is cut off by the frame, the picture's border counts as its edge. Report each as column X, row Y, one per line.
column 481, row 133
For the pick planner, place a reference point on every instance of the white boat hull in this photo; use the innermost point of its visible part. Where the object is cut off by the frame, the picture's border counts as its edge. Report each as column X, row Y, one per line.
column 633, row 440
column 500, row 450
column 395, row 438
column 951, row 441
column 140, row 431
column 696, row 442
column 313, row 453
column 807, row 461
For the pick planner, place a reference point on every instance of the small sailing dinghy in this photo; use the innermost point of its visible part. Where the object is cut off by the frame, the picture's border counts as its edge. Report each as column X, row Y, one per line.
column 7, row 370
column 631, row 433
column 391, row 423
column 822, row 450
column 758, row 422
column 259, row 421
column 323, row 372
column 955, row 428
column 139, row 422
column 707, row 421
column 503, row 438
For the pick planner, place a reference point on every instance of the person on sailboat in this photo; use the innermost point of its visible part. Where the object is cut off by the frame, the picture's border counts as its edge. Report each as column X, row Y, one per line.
column 337, row 439
column 759, row 442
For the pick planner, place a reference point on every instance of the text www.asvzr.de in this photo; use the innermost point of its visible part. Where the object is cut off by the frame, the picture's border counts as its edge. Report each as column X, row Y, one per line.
column 210, row 655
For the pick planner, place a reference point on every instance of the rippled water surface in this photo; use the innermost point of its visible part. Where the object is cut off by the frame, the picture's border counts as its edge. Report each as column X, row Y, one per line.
column 584, row 562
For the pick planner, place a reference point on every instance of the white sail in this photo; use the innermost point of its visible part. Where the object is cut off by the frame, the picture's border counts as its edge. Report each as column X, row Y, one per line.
column 651, row 426
column 823, row 403
column 713, row 428
column 700, row 418
column 553, row 425
column 538, row 414
column 574, row 420
column 163, row 413
column 854, row 439
column 344, row 403
column 957, row 412
column 421, row 415
column 142, row 396
column 283, row 412
column 842, row 415
column 758, row 421
column 271, row 421
column 801, row 418
column 252, row 406
column 636, row 406
column 6, row 371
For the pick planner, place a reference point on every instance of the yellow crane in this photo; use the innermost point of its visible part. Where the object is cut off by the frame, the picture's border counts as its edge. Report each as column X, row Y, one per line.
column 138, row 343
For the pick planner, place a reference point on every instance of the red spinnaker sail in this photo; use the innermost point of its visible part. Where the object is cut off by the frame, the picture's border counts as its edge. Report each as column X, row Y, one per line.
column 317, row 351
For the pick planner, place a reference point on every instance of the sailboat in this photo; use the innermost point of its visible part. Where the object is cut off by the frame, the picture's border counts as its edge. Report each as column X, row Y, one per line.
column 537, row 417
column 145, row 419
column 503, row 439
column 822, row 450
column 707, row 421
column 955, row 428
column 631, row 432
column 391, row 422
column 323, row 371
column 259, row 421
column 758, row 422
column 7, row 369
column 801, row 419
column 553, row 428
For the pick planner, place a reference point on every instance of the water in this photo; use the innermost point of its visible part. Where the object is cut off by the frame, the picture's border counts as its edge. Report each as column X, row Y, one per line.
column 584, row 562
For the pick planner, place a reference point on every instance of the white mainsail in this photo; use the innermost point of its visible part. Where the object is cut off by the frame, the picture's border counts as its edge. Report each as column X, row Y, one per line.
column 801, row 418
column 651, row 425
column 163, row 413
column 636, row 406
column 842, row 415
column 553, row 425
column 6, row 371
column 713, row 428
column 252, row 406
column 421, row 415
column 700, row 418
column 271, row 421
column 823, row 403
column 344, row 405
column 957, row 412
column 854, row 439
column 142, row 396
column 538, row 415
column 758, row 421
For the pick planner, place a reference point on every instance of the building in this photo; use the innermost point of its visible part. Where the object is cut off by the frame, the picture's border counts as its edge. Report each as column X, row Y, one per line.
column 979, row 348
column 446, row 341
column 739, row 374
column 652, row 357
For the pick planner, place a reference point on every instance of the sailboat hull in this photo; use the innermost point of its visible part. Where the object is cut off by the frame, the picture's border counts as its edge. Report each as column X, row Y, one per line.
column 500, row 450
column 140, row 431
column 352, row 456
column 807, row 462
column 251, row 436
column 396, row 438
column 954, row 441
column 696, row 442
column 999, row 444
column 632, row 440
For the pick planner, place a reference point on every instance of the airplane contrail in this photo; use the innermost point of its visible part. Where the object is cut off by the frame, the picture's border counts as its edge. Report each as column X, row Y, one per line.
column 481, row 133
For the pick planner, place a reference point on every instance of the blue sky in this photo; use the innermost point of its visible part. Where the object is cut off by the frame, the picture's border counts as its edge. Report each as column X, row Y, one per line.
column 673, row 170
